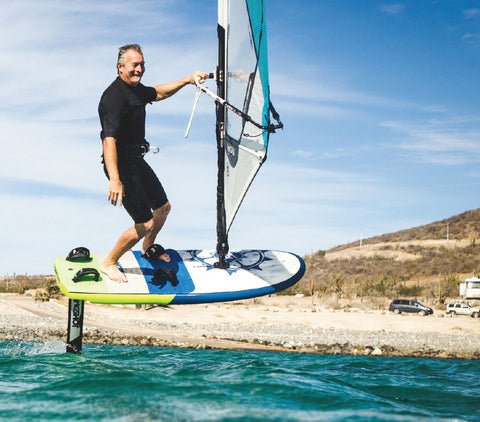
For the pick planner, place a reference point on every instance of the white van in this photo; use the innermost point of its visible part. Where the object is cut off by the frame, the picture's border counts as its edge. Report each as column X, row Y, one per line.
column 462, row 309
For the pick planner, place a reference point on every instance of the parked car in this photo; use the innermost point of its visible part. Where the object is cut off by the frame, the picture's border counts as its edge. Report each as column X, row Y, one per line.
column 462, row 309
column 412, row 306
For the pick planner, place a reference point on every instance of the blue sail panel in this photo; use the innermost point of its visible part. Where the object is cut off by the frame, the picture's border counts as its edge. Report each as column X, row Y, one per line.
column 256, row 11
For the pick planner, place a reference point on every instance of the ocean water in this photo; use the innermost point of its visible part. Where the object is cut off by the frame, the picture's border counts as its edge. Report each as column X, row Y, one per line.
column 40, row 382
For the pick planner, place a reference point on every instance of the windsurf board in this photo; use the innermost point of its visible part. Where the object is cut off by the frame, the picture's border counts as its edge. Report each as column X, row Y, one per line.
column 190, row 277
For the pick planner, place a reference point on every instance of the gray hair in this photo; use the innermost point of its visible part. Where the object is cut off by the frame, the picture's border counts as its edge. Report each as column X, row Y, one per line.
column 123, row 50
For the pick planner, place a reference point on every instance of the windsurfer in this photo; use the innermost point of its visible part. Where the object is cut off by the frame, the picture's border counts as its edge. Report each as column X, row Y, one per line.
column 132, row 183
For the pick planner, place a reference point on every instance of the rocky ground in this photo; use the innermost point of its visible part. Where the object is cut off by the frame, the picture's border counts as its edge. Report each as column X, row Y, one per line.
column 270, row 324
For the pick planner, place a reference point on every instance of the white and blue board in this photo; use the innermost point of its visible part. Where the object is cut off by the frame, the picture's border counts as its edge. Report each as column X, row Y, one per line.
column 251, row 273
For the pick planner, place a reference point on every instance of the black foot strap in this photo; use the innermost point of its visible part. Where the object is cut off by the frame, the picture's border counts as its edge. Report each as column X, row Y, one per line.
column 165, row 274
column 154, row 252
column 79, row 254
column 84, row 272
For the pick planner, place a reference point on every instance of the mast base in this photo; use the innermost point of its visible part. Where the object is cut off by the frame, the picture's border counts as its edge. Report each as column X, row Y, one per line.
column 221, row 264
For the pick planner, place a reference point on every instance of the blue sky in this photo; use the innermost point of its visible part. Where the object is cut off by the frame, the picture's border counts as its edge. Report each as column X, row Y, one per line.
column 380, row 102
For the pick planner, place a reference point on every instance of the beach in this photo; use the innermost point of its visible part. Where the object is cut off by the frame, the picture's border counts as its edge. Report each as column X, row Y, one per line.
column 275, row 323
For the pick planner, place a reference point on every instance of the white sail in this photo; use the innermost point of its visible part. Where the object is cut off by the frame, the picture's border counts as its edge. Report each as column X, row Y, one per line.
column 247, row 89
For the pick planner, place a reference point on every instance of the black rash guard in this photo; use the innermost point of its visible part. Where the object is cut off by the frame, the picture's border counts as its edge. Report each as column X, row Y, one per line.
column 122, row 115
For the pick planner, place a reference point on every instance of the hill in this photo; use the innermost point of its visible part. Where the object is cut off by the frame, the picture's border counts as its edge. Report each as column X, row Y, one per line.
column 425, row 261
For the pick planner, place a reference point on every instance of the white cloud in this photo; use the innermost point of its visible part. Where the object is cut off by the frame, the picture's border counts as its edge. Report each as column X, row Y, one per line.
column 472, row 38
column 393, row 9
column 320, row 88
column 436, row 142
column 318, row 92
column 471, row 13
column 302, row 153
column 322, row 111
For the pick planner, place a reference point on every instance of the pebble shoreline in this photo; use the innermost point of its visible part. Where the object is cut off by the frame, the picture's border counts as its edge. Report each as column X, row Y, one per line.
column 241, row 336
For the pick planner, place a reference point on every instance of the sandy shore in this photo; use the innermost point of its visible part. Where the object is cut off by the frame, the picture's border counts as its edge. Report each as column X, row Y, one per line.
column 268, row 323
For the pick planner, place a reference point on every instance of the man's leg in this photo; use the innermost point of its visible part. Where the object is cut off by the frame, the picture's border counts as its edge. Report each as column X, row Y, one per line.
column 159, row 218
column 126, row 242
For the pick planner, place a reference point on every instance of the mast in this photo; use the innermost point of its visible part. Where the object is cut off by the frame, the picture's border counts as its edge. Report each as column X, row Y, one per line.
column 221, row 77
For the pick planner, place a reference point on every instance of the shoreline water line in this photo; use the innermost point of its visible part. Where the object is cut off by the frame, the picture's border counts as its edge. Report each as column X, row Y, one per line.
column 247, row 326
column 104, row 337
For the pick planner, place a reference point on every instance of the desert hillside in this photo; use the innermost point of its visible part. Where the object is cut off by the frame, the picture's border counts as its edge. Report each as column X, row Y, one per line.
column 425, row 261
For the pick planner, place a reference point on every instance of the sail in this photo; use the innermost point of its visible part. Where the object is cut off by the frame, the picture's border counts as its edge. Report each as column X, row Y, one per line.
column 246, row 88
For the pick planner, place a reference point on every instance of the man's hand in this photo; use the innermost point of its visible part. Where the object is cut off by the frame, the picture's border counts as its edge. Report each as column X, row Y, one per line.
column 202, row 76
column 115, row 192
column 115, row 186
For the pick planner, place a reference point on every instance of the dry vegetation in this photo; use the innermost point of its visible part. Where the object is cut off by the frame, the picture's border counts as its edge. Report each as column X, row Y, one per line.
column 21, row 283
column 43, row 287
column 418, row 262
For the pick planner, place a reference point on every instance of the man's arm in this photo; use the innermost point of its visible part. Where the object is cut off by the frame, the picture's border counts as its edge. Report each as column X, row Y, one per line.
column 167, row 90
column 115, row 186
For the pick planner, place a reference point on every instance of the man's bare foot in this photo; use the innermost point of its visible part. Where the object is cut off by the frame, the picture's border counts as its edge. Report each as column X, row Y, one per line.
column 164, row 257
column 113, row 273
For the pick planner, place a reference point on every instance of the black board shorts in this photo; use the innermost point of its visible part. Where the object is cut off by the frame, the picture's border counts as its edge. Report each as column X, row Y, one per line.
column 143, row 192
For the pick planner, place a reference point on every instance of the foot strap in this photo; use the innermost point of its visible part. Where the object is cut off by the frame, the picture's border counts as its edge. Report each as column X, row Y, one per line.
column 84, row 272
column 154, row 252
column 79, row 254
column 167, row 273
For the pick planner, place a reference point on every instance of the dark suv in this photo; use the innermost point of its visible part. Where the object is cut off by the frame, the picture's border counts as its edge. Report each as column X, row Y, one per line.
column 404, row 305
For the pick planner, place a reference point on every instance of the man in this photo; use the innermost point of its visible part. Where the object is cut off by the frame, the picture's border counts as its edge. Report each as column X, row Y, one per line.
column 131, row 180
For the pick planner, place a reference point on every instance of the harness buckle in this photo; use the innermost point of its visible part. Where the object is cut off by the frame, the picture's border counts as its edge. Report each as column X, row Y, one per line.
column 139, row 150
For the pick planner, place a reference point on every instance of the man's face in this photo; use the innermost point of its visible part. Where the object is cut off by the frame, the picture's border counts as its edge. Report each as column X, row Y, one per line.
column 133, row 69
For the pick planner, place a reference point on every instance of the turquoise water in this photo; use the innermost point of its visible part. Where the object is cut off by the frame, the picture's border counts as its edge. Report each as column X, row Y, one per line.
column 40, row 382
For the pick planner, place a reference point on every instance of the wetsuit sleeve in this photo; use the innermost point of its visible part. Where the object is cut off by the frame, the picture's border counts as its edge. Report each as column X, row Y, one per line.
column 110, row 110
column 148, row 93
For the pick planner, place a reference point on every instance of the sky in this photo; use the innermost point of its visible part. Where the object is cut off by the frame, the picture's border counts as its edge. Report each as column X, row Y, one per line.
column 380, row 102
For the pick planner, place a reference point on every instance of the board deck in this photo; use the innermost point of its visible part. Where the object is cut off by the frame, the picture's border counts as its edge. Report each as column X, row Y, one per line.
column 251, row 273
